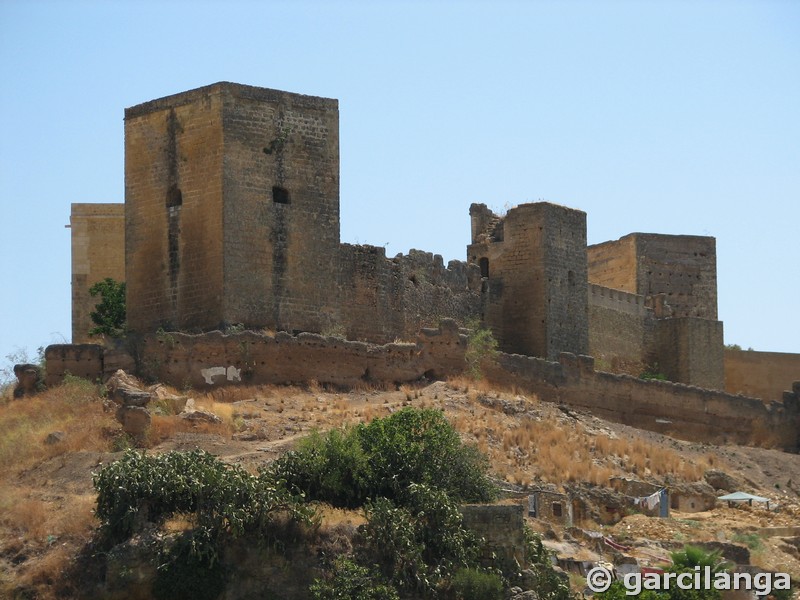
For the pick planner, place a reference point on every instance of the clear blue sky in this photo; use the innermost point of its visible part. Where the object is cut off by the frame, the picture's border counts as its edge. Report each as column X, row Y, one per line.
column 670, row 117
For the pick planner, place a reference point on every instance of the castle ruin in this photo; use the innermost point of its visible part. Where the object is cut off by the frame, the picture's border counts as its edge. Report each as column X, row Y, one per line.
column 231, row 216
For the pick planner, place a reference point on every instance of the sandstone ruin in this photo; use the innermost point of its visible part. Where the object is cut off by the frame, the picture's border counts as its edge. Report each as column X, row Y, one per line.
column 231, row 217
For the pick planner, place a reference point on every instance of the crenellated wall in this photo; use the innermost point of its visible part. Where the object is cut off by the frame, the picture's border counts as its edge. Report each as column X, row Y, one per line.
column 383, row 299
column 621, row 326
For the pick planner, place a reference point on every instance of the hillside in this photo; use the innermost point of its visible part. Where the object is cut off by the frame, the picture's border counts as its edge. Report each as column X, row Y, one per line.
column 52, row 444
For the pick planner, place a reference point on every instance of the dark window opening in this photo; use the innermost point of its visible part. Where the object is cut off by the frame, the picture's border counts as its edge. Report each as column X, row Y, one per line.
column 280, row 195
column 484, row 265
column 557, row 509
column 174, row 197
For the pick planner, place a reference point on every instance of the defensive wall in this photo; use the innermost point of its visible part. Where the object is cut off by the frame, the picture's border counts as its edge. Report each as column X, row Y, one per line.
column 210, row 359
column 764, row 375
column 98, row 251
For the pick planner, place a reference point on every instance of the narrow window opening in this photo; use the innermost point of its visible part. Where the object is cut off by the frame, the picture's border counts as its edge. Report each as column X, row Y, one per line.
column 174, row 197
column 557, row 509
column 484, row 265
column 280, row 195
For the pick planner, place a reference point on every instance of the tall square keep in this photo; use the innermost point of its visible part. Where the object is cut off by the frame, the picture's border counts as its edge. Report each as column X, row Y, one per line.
column 231, row 209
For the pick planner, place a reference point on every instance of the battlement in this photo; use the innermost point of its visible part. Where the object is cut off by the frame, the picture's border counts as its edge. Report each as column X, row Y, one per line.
column 618, row 300
column 250, row 92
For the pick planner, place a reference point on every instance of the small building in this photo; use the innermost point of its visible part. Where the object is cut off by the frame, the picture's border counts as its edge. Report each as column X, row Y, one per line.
column 552, row 506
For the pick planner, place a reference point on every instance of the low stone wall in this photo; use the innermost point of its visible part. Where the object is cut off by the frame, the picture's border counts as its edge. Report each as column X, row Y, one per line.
column 215, row 359
column 212, row 359
column 80, row 360
column 681, row 411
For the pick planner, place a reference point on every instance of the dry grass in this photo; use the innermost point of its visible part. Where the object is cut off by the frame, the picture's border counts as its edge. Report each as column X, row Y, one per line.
column 74, row 408
column 556, row 450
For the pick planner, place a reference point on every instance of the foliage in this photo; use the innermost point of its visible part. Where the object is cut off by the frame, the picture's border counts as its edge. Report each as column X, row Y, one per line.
column 220, row 498
column 333, row 468
column 652, row 373
column 109, row 314
column 693, row 556
column 351, row 581
column 474, row 584
column 686, row 560
column 481, row 345
column 419, row 541
column 382, row 459
column 617, row 591
column 187, row 575
column 549, row 584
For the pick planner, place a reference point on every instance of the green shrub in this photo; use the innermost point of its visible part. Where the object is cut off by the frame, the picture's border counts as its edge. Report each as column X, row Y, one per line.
column 550, row 585
column 333, row 468
column 346, row 468
column 185, row 574
column 474, row 584
column 350, row 581
column 481, row 345
column 419, row 542
column 222, row 498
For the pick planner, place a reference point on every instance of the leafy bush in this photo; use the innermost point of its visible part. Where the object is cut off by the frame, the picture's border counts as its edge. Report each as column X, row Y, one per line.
column 350, row 581
column 109, row 314
column 333, row 468
column 345, row 468
column 474, row 584
column 184, row 574
column 550, row 585
column 419, row 542
column 221, row 498
column 481, row 345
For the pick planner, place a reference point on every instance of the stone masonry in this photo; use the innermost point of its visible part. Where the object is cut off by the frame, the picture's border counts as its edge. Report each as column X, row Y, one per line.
column 231, row 217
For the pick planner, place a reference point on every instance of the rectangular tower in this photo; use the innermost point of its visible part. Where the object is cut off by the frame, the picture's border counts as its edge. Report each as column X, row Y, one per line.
column 98, row 251
column 533, row 264
column 232, row 209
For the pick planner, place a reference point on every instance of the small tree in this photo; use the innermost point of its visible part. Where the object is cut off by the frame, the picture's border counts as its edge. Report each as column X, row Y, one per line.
column 109, row 314
column 481, row 345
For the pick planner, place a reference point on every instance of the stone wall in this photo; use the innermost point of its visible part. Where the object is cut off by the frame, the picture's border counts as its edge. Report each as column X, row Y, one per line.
column 613, row 264
column 761, row 374
column 690, row 350
column 98, row 251
column 678, row 410
column 621, row 326
column 80, row 360
column 682, row 267
column 385, row 299
column 174, row 150
column 216, row 359
column 533, row 266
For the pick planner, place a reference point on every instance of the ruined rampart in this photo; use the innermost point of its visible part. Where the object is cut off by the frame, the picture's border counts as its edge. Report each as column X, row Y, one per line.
column 678, row 410
column 674, row 409
column 382, row 299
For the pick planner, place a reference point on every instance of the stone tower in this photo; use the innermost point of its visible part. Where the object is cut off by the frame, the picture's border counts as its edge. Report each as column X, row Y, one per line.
column 533, row 266
column 231, row 209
